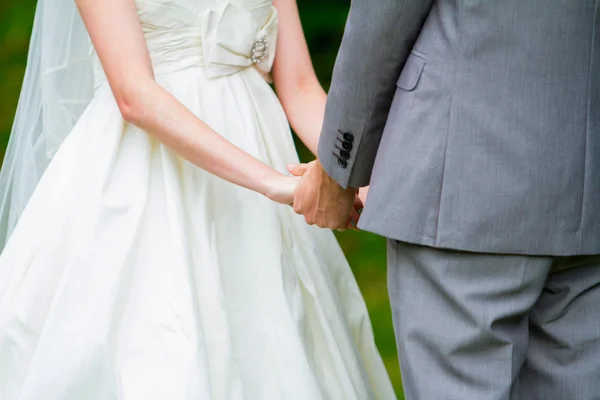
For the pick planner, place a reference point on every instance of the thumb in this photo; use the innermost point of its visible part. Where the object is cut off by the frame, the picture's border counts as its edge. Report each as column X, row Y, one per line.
column 298, row 169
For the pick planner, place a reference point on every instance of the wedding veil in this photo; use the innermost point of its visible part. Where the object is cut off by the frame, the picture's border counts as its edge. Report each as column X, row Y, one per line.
column 58, row 86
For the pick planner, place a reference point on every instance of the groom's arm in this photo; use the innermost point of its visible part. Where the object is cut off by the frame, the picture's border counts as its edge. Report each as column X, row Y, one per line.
column 377, row 41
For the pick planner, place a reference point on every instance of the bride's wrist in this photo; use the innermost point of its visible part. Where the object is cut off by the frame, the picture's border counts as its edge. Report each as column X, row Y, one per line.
column 268, row 183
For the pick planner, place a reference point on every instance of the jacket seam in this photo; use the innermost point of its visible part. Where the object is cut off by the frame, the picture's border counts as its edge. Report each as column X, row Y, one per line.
column 587, row 127
column 444, row 167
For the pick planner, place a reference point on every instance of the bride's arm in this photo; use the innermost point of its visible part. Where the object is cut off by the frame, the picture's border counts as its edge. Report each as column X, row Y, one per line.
column 298, row 88
column 116, row 33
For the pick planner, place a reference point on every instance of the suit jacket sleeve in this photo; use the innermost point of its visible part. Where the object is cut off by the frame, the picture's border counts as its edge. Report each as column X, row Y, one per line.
column 378, row 38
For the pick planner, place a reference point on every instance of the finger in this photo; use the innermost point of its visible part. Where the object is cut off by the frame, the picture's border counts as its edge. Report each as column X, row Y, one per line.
column 298, row 169
column 297, row 207
column 336, row 225
column 351, row 224
column 353, row 219
column 309, row 220
column 297, row 197
column 322, row 222
column 341, row 228
column 358, row 204
column 297, row 202
column 363, row 194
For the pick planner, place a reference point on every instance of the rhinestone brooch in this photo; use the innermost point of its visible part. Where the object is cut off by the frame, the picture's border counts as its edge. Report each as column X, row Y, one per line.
column 259, row 51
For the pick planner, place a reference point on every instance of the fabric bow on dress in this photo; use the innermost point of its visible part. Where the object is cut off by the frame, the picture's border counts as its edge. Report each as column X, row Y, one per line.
column 232, row 40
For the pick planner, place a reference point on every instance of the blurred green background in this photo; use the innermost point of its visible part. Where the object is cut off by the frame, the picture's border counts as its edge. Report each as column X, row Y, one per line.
column 323, row 23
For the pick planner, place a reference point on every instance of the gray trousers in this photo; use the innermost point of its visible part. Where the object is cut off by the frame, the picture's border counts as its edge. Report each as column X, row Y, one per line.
column 472, row 326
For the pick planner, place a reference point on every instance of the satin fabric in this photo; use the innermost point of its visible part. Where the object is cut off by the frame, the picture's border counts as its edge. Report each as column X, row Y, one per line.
column 134, row 275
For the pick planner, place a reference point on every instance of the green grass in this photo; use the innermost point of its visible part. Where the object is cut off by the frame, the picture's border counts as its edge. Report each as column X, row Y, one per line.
column 323, row 25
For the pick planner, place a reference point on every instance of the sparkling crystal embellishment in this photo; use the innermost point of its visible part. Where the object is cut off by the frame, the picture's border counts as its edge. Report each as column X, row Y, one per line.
column 259, row 51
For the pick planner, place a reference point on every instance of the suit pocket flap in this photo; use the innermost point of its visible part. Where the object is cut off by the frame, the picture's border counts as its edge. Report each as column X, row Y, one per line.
column 411, row 73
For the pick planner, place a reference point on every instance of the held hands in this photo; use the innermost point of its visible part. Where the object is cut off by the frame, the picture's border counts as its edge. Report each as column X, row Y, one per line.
column 322, row 201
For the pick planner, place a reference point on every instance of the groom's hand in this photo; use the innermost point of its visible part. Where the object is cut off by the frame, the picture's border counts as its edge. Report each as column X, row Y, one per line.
column 320, row 199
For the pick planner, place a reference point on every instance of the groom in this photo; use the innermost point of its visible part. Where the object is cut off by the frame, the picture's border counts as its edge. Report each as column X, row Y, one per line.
column 477, row 125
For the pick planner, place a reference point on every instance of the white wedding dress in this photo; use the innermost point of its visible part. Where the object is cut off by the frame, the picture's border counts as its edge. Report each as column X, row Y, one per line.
column 134, row 275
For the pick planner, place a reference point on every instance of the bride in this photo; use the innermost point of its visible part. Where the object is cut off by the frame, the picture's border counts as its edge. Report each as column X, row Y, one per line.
column 148, row 261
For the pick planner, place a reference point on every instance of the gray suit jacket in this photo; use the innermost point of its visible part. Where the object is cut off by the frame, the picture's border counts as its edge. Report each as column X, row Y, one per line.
column 476, row 122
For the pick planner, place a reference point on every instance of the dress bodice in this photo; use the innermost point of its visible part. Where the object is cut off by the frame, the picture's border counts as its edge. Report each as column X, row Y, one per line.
column 224, row 36
column 181, row 14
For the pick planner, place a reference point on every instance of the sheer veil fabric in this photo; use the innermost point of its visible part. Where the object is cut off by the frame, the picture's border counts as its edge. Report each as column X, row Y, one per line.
column 57, row 88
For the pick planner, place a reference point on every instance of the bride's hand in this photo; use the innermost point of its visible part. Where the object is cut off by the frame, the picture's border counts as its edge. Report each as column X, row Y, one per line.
column 362, row 194
column 281, row 189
